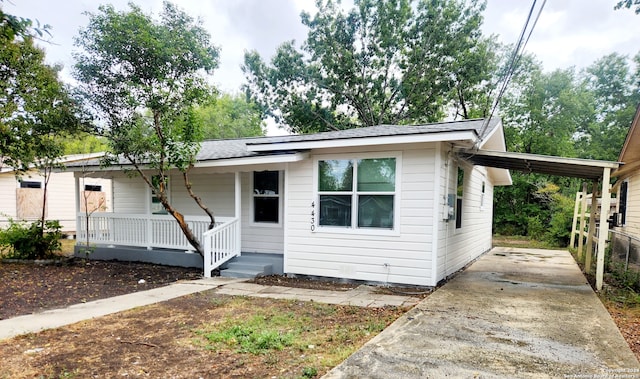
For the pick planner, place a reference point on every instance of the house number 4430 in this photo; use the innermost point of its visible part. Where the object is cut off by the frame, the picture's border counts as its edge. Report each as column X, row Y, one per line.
column 313, row 216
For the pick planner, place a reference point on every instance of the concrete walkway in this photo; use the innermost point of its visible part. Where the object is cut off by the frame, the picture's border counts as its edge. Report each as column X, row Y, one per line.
column 515, row 313
column 363, row 296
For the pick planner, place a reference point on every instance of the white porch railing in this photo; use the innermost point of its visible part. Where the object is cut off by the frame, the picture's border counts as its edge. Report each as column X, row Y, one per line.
column 142, row 230
column 220, row 245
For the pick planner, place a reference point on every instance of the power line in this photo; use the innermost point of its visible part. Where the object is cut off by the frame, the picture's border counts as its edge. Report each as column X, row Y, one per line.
column 514, row 61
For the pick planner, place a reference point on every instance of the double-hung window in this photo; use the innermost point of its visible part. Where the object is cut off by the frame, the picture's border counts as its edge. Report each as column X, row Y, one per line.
column 357, row 193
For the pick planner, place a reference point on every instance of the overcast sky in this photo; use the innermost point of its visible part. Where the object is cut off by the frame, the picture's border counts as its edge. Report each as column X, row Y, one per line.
column 569, row 32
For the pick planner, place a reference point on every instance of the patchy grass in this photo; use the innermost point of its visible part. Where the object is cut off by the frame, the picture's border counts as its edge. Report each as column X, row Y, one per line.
column 519, row 241
column 202, row 335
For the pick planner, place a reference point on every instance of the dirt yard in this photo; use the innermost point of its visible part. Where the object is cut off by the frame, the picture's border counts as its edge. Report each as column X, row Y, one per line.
column 194, row 336
column 202, row 335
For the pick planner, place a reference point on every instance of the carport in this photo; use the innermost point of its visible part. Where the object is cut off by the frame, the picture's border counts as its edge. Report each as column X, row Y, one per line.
column 598, row 172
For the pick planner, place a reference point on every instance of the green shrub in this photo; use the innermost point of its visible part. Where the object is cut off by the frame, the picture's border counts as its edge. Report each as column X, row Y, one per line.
column 535, row 228
column 22, row 240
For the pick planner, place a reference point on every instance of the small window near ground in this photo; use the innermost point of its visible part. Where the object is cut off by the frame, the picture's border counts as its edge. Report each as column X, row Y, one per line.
column 93, row 188
column 460, row 195
column 30, row 184
column 266, row 197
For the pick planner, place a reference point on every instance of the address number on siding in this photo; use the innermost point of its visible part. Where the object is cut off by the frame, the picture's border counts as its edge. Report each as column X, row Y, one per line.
column 313, row 216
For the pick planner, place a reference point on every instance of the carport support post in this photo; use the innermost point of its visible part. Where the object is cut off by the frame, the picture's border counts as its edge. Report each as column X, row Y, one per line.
column 574, row 224
column 592, row 228
column 604, row 226
column 583, row 213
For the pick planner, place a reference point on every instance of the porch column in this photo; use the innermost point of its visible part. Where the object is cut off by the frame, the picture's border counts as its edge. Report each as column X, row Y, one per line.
column 583, row 213
column 604, row 227
column 238, row 208
column 574, row 224
column 77, row 198
column 592, row 228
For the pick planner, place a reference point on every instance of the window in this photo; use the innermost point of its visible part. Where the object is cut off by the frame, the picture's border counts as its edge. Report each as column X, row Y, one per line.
column 460, row 194
column 30, row 184
column 266, row 197
column 622, row 207
column 357, row 193
column 92, row 188
column 156, row 205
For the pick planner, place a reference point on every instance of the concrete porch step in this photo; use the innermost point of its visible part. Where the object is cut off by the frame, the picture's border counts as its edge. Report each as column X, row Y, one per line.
column 250, row 265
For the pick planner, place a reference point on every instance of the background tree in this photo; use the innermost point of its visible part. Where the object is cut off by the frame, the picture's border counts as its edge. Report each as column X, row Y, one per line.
column 629, row 4
column 382, row 62
column 35, row 108
column 616, row 93
column 142, row 78
column 582, row 114
column 230, row 116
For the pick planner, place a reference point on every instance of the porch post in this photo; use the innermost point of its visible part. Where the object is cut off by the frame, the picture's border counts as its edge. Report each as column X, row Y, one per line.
column 574, row 224
column 238, row 210
column 583, row 213
column 604, row 227
column 77, row 198
column 592, row 228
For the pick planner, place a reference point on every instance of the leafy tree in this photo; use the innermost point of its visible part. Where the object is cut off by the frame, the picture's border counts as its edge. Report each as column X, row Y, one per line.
column 542, row 113
column 143, row 78
column 20, row 27
column 230, row 116
column 35, row 107
column 616, row 96
column 84, row 143
column 628, row 4
column 382, row 62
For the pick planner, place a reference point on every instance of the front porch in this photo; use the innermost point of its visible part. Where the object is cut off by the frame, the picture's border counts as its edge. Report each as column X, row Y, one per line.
column 157, row 239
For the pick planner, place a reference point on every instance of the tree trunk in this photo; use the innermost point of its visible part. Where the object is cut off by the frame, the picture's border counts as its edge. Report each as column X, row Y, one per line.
column 198, row 200
column 186, row 230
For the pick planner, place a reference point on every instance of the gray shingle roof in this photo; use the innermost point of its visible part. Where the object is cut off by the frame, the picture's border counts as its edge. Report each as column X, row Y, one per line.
column 240, row 148
column 383, row 131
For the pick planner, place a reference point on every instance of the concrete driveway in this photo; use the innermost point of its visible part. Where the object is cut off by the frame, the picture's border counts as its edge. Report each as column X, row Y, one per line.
column 515, row 313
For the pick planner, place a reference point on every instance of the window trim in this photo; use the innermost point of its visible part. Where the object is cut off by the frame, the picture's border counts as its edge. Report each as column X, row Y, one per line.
column 354, row 229
column 460, row 196
column 623, row 203
column 280, row 196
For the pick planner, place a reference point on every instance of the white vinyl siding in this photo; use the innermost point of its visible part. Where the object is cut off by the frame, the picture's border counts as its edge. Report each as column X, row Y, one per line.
column 632, row 222
column 130, row 195
column 459, row 246
column 404, row 257
column 7, row 198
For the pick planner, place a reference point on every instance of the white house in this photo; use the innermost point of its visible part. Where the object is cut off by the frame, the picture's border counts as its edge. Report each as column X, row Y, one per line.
column 626, row 230
column 22, row 197
column 388, row 203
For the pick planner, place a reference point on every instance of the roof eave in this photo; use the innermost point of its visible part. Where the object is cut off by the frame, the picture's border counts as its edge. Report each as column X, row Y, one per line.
column 465, row 137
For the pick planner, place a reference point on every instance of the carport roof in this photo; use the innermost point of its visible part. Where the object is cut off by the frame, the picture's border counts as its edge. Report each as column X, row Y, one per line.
column 543, row 164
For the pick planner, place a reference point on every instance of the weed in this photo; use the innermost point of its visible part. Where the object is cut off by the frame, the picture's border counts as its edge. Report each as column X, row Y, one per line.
column 309, row 372
column 257, row 335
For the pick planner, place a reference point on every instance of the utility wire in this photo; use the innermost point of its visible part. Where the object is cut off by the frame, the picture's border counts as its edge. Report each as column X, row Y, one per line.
column 513, row 63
